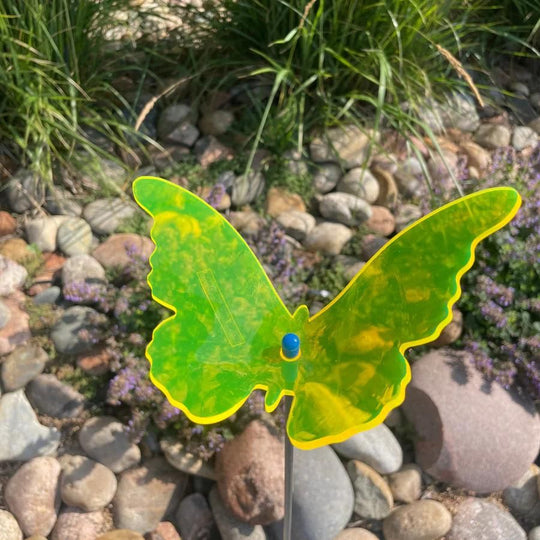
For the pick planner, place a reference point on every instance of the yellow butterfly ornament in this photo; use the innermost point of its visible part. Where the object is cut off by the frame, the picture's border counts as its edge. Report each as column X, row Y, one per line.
column 345, row 369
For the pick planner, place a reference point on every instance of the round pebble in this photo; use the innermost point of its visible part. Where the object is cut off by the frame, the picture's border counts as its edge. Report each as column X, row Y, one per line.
column 105, row 215
column 74, row 524
column 420, row 520
column 328, row 237
column 406, row 484
column 22, row 365
column 9, row 528
column 72, row 333
column 106, row 440
column 87, row 484
column 42, row 233
column 74, row 237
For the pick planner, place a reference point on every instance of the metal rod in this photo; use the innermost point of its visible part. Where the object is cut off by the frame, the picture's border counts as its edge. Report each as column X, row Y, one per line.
column 287, row 519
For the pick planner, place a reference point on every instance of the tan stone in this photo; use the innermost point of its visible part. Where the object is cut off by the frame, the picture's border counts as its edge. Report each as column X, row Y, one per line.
column 381, row 221
column 279, row 200
column 7, row 223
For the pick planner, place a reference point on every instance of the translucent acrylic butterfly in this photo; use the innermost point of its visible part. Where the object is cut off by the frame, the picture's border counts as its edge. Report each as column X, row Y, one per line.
column 225, row 337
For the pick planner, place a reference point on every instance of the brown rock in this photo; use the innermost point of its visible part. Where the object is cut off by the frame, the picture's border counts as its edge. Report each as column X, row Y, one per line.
column 355, row 534
column 33, row 496
column 246, row 221
column 280, row 200
column 328, row 237
column 96, row 361
column 74, row 524
column 215, row 196
column 146, row 494
column 372, row 496
column 16, row 331
column 166, row 531
column 120, row 250
column 121, row 534
column 250, row 475
column 421, row 520
column 470, row 434
column 7, row 224
column 406, row 484
column 51, row 271
column 381, row 221
column 477, row 156
column 388, row 190
column 451, row 331
column 209, row 150
column 16, row 249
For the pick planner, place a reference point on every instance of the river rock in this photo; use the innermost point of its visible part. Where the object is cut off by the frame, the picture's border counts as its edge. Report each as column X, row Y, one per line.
column 323, row 497
column 60, row 202
column 122, row 249
column 24, row 191
column 9, row 528
column 460, row 112
column 347, row 145
column 492, row 136
column 247, row 222
column 279, row 200
column 231, row 528
column 377, row 447
column 74, row 332
column 470, row 435
column 452, row 331
column 406, row 215
column 216, row 122
column 8, row 224
column 12, row 276
column 105, row 439
column 326, row 176
column 476, row 155
column 361, row 183
column 146, row 494
column 249, row 472
column 297, row 224
column 406, row 484
column 121, row 534
column 87, row 484
column 388, row 190
column 328, row 237
column 164, row 531
column 524, row 136
column 74, row 524
column 15, row 331
column 246, row 188
column 42, row 233
column 16, row 249
column 194, row 518
column 477, row 519
column 372, row 496
column 106, row 215
column 522, row 498
column 32, row 495
column 83, row 279
column 5, row 314
column 185, row 461
column 355, row 534
column 382, row 221
column 54, row 398
column 22, row 365
column 443, row 170
column 409, row 177
column 345, row 208
column 74, row 236
column 18, row 444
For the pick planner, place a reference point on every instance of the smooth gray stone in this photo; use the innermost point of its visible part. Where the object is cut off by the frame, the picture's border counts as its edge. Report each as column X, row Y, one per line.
column 66, row 332
column 24, row 191
column 74, row 236
column 48, row 296
column 22, row 365
column 54, row 398
column 106, row 215
column 59, row 202
column 194, row 518
column 323, row 496
column 477, row 519
column 34, row 440
column 376, row 447
column 229, row 527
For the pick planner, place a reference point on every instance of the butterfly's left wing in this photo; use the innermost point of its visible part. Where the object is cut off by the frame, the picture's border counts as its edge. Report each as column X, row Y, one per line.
column 224, row 337
column 352, row 371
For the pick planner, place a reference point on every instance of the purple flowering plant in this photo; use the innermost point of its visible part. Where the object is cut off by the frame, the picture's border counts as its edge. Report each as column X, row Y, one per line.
column 501, row 293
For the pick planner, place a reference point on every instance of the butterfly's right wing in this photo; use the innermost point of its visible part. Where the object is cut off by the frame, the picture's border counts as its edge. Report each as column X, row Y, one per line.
column 225, row 335
column 352, row 371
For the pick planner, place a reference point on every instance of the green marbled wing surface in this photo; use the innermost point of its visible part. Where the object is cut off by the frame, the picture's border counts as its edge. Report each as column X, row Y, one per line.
column 352, row 371
column 225, row 336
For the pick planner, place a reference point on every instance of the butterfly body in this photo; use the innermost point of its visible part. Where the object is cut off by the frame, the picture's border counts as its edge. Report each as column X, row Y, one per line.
column 225, row 337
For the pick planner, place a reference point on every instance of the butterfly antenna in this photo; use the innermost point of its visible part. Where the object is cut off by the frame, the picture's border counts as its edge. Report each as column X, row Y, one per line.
column 289, row 454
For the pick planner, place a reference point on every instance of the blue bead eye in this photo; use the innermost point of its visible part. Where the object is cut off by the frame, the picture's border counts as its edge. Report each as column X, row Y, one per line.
column 290, row 345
